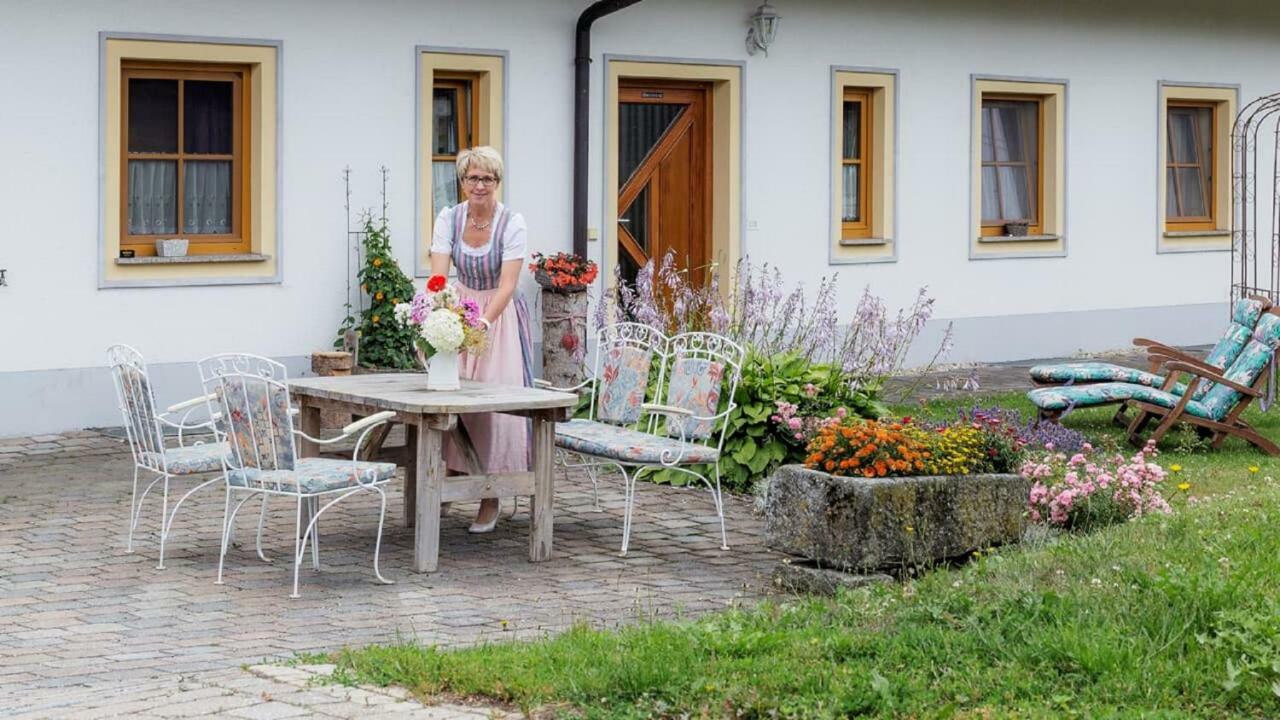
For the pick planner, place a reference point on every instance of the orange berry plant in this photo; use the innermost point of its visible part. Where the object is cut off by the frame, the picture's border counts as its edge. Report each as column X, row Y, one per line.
column 867, row 448
column 563, row 272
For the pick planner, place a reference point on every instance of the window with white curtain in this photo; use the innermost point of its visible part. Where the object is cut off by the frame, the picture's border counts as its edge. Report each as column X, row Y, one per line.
column 1011, row 163
column 184, row 157
column 1189, row 163
column 855, row 179
column 453, row 128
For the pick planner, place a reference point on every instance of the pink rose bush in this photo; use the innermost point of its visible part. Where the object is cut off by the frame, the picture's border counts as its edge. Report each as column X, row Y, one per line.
column 1092, row 488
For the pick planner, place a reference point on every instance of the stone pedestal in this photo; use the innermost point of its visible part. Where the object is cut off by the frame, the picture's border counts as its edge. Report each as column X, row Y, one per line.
column 865, row 524
column 564, row 337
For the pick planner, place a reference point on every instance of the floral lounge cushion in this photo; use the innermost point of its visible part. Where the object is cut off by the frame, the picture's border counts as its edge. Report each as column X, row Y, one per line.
column 624, row 376
column 1069, row 397
column 192, row 459
column 694, row 386
column 1244, row 317
column 1247, row 368
column 312, row 475
column 1091, row 372
column 623, row 444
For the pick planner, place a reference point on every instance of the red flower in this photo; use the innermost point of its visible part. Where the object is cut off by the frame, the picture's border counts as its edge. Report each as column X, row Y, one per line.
column 436, row 283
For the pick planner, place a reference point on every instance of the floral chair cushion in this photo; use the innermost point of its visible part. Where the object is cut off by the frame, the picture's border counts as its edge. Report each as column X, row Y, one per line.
column 192, row 459
column 139, row 407
column 1091, row 372
column 624, row 378
column 694, row 386
column 258, row 423
column 312, row 475
column 1247, row 368
column 1070, row 397
column 626, row 445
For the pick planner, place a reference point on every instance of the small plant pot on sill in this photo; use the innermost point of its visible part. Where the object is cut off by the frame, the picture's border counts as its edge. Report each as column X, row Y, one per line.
column 877, row 524
column 1016, row 229
column 172, row 247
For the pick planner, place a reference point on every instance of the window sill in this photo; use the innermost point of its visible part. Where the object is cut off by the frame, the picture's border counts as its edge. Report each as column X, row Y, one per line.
column 1197, row 233
column 862, row 242
column 1018, row 238
column 194, row 259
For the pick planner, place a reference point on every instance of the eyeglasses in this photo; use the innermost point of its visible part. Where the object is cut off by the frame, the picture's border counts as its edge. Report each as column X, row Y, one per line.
column 485, row 180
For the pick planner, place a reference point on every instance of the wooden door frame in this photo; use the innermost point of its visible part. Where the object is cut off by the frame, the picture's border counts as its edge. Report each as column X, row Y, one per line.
column 629, row 90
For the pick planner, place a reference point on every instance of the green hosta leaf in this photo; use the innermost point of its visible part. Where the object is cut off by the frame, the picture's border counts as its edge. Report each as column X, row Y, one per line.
column 745, row 452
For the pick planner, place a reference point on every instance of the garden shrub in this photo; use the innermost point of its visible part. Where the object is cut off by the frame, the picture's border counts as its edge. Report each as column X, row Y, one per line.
column 1094, row 488
column 384, row 340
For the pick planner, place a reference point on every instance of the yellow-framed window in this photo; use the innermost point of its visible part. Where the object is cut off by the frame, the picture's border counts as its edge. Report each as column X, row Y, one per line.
column 455, row 110
column 185, row 156
column 855, row 160
column 1012, row 162
column 1190, row 183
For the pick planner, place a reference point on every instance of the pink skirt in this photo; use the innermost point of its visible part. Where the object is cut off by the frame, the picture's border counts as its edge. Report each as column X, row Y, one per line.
column 501, row 441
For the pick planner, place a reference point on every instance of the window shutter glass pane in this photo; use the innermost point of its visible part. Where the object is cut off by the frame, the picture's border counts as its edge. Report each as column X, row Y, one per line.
column 1009, row 122
column 988, row 141
column 1204, row 120
column 852, row 130
column 206, row 209
column 851, row 212
column 153, row 115
column 1015, row 200
column 990, row 194
column 1170, row 196
column 446, row 121
column 1182, row 137
column 153, row 187
column 640, row 127
column 207, row 117
column 1191, row 192
column 444, row 185
column 636, row 219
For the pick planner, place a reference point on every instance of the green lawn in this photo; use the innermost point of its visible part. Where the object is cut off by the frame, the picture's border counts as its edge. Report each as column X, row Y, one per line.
column 1163, row 617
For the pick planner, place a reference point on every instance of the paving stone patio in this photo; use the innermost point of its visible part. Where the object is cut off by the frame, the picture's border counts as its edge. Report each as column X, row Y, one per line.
column 87, row 628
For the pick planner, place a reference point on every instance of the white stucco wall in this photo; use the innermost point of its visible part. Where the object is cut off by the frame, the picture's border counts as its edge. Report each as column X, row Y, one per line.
column 348, row 99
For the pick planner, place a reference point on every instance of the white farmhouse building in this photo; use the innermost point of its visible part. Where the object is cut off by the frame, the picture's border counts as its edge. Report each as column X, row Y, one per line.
column 901, row 144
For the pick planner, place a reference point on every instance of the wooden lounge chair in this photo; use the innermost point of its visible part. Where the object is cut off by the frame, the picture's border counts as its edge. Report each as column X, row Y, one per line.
column 1218, row 410
column 1076, row 385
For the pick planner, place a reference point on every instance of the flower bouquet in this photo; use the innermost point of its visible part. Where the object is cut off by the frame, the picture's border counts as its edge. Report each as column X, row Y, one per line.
column 563, row 272
column 446, row 325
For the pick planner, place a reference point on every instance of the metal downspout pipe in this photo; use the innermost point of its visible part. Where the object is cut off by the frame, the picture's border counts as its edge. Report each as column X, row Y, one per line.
column 582, row 113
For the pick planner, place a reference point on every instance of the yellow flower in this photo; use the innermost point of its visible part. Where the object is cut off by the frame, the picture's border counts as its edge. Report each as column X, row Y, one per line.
column 377, row 262
column 377, row 296
column 1184, row 486
column 375, row 319
column 910, row 529
column 1175, row 468
column 1254, row 468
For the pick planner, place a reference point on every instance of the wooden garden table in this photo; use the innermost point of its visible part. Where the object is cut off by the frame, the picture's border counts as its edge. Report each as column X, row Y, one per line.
column 427, row 416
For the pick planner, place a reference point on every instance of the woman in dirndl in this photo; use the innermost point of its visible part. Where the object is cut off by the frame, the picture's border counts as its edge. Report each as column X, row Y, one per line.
column 486, row 242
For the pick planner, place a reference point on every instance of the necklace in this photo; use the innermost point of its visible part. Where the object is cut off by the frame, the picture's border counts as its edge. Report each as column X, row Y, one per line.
column 480, row 225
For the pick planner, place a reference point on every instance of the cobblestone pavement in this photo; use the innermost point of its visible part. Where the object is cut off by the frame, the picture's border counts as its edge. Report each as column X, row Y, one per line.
column 87, row 630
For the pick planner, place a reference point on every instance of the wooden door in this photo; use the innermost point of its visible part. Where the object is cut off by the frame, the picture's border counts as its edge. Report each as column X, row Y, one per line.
column 664, row 161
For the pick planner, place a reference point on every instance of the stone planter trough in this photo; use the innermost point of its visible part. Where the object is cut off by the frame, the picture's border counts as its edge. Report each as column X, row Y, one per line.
column 863, row 524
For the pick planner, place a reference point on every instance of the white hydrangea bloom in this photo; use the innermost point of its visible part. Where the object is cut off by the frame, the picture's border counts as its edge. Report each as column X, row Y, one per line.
column 448, row 297
column 403, row 312
column 443, row 330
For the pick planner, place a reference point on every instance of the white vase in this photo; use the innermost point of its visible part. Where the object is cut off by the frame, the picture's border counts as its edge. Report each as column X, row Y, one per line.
column 442, row 371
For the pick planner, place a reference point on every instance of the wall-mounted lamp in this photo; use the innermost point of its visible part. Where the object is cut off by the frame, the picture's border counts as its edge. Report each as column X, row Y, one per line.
column 764, row 25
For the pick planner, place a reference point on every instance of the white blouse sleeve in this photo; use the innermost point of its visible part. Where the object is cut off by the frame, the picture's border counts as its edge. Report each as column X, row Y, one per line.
column 515, row 240
column 442, row 232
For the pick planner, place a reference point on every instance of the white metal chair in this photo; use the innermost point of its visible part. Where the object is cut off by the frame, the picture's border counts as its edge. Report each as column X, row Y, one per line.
column 144, row 428
column 251, row 394
column 687, row 429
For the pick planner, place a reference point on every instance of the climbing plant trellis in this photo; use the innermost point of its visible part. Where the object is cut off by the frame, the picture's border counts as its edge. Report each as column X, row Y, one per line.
column 1249, row 253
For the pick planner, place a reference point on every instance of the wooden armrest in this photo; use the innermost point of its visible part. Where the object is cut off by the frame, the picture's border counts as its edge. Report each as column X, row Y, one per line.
column 1148, row 343
column 1165, row 356
column 1214, row 376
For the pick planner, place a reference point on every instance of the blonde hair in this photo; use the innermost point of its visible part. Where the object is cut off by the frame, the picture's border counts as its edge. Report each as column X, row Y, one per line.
column 483, row 157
